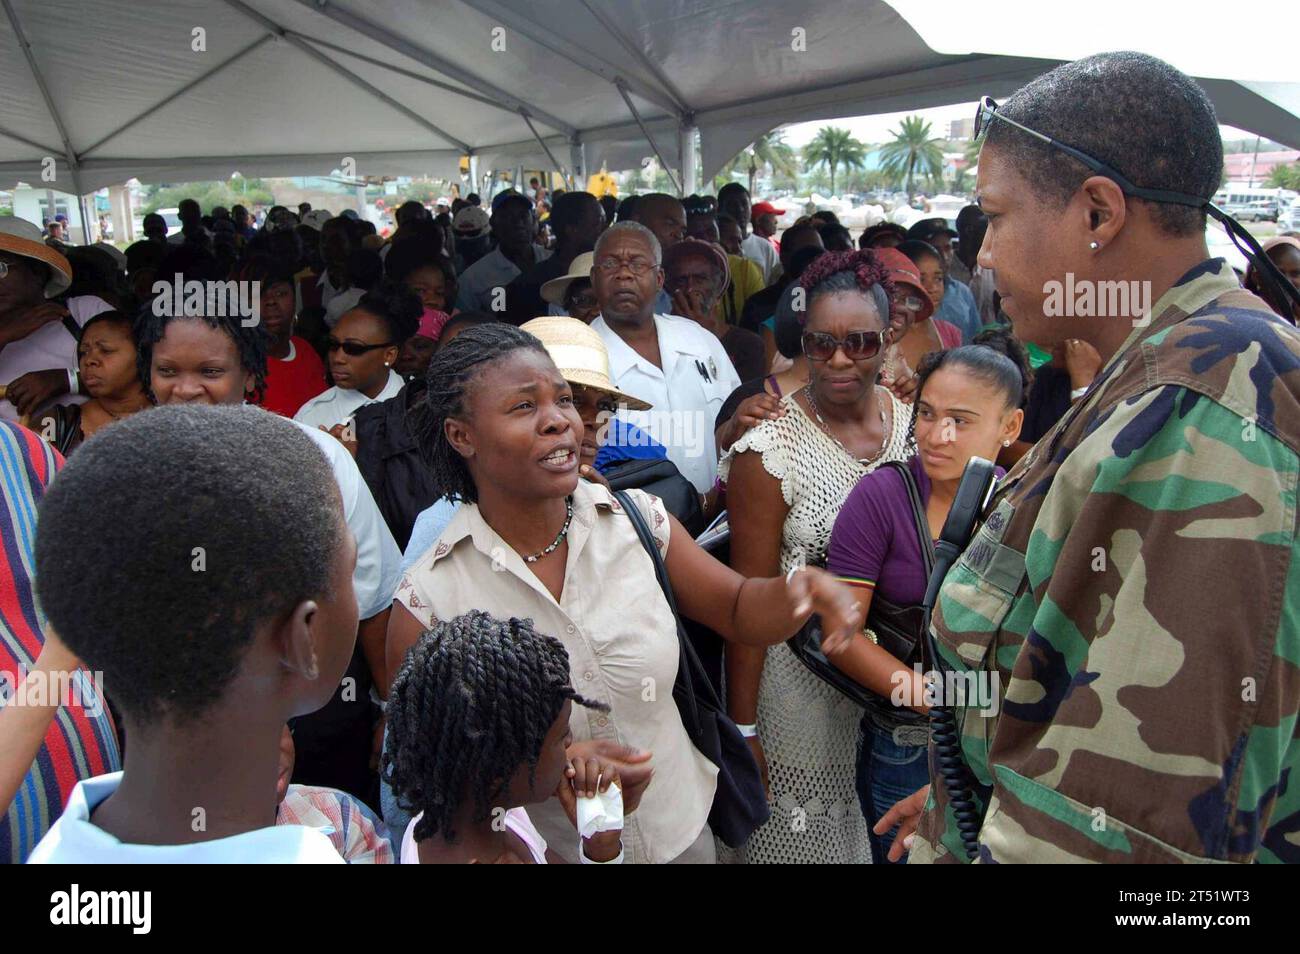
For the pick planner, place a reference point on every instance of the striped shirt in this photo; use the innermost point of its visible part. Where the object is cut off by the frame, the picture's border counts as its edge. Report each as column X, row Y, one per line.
column 81, row 741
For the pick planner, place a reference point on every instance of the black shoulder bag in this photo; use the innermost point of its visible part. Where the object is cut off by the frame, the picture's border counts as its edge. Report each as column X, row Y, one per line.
column 739, row 802
column 898, row 629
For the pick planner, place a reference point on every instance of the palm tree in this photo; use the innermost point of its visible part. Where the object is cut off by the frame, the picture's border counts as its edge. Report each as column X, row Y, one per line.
column 911, row 151
column 768, row 150
column 834, row 147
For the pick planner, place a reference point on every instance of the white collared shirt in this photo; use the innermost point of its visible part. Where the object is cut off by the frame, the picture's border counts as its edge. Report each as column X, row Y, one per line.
column 686, row 394
column 49, row 347
column 763, row 254
column 74, row 839
column 379, row 561
column 335, row 405
column 491, row 271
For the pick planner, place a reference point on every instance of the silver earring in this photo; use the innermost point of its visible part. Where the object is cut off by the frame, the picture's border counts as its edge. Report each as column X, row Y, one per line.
column 1006, row 443
column 1094, row 245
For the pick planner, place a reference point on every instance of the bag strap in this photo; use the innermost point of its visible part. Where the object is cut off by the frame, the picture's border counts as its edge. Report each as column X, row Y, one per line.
column 74, row 329
column 686, row 652
column 920, row 521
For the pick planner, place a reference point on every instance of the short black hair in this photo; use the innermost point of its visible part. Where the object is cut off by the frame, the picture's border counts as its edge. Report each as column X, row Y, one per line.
column 250, row 342
column 472, row 703
column 915, row 249
column 468, row 318
column 408, row 256
column 117, row 569
column 504, row 199
column 729, row 188
column 113, row 317
column 627, row 208
column 568, row 209
column 412, row 210
column 835, row 237
column 364, row 268
column 143, row 254
column 451, row 372
column 396, row 306
column 1137, row 114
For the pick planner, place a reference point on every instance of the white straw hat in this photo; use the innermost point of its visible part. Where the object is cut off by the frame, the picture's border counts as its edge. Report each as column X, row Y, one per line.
column 579, row 353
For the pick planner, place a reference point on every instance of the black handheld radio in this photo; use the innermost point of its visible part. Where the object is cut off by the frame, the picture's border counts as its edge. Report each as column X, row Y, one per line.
column 972, row 496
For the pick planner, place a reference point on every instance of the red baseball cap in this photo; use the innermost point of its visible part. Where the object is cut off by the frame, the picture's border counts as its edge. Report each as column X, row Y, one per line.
column 903, row 271
column 764, row 208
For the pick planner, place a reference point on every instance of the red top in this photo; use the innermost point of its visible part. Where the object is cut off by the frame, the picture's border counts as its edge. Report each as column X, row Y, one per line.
column 292, row 382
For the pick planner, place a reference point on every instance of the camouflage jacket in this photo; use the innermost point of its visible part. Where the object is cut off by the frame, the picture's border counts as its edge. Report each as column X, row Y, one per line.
column 1134, row 596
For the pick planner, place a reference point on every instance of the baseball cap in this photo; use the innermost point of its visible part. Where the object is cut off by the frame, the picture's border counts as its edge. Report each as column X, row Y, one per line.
column 927, row 229
column 903, row 271
column 471, row 222
column 20, row 237
column 764, row 208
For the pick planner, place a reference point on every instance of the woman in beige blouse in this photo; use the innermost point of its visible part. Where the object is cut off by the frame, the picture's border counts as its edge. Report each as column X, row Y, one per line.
column 533, row 540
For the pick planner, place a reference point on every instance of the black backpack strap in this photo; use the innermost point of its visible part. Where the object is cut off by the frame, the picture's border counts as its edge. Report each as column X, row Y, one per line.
column 919, row 520
column 688, row 663
column 74, row 329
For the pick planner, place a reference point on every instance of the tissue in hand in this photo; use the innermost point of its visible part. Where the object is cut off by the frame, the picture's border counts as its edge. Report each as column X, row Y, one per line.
column 601, row 812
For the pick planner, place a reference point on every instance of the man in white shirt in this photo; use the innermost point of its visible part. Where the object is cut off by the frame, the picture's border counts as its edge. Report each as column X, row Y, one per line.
column 514, row 225
column 733, row 200
column 38, row 337
column 672, row 363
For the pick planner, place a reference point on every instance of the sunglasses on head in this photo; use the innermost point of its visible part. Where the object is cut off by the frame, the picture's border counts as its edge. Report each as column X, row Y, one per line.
column 987, row 111
column 354, row 348
column 858, row 346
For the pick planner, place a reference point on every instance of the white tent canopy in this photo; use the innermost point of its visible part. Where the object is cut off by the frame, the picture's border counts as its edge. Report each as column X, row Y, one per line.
column 106, row 90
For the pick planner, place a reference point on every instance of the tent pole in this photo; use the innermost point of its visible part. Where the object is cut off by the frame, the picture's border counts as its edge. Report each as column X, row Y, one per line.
column 686, row 149
column 578, row 160
column 545, row 148
column 646, row 132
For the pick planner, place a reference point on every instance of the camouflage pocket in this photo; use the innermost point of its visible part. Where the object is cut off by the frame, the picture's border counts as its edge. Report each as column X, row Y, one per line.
column 1028, row 822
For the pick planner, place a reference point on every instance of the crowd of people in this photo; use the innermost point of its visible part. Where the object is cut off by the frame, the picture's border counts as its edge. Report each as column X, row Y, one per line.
column 422, row 549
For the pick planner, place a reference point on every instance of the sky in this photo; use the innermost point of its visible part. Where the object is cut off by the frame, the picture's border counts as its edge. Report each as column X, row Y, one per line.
column 873, row 129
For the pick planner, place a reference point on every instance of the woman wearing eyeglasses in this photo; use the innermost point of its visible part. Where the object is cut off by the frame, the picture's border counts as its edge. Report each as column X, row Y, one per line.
column 786, row 480
column 362, row 349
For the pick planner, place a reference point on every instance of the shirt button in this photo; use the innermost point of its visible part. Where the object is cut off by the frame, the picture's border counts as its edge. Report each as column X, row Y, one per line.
column 587, row 676
column 602, row 722
column 569, row 629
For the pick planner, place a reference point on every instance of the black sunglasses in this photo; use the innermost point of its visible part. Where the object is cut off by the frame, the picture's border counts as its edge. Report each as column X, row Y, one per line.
column 354, row 348
column 987, row 111
column 858, row 346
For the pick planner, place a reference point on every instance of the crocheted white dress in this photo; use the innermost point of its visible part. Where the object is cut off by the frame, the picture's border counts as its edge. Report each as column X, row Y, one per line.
column 809, row 731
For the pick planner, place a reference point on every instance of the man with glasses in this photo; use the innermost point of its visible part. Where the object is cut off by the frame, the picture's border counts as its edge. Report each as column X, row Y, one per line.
column 1130, row 598
column 670, row 362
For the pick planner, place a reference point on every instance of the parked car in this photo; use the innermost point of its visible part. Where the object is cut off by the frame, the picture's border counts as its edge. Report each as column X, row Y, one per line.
column 1258, row 210
column 1289, row 219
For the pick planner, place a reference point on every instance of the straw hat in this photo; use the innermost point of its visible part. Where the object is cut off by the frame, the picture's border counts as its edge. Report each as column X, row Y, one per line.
column 20, row 237
column 553, row 291
column 580, row 355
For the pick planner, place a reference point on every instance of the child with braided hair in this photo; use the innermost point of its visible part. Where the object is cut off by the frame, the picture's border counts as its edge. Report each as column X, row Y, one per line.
column 478, row 727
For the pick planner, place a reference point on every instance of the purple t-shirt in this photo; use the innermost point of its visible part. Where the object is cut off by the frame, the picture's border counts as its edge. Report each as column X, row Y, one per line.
column 874, row 543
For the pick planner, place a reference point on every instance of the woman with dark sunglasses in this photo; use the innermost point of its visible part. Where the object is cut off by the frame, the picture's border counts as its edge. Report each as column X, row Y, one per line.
column 362, row 349
column 786, row 480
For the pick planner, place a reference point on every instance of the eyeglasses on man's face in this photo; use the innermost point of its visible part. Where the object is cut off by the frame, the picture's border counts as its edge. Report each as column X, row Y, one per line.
column 637, row 266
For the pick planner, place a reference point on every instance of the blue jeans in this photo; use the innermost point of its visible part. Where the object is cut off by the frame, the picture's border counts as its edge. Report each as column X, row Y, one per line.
column 887, row 772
